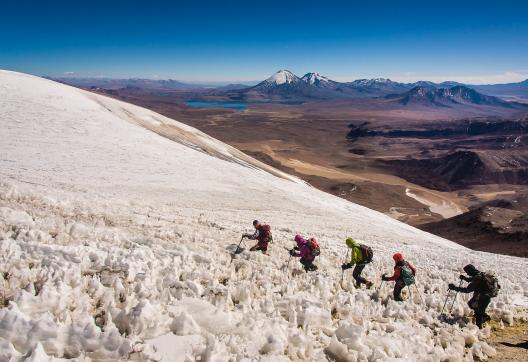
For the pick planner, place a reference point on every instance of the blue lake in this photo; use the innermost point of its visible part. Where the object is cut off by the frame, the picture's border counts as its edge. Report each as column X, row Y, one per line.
column 239, row 106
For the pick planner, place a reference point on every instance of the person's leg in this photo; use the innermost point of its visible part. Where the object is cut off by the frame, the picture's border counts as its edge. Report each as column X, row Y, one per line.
column 306, row 264
column 398, row 287
column 263, row 246
column 312, row 267
column 259, row 247
column 480, row 312
column 356, row 274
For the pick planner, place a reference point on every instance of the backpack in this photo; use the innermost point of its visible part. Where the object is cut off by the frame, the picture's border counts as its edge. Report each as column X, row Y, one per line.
column 491, row 284
column 314, row 247
column 265, row 233
column 367, row 253
column 407, row 274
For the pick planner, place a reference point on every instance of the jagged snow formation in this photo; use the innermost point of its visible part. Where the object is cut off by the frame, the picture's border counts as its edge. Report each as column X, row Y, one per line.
column 116, row 225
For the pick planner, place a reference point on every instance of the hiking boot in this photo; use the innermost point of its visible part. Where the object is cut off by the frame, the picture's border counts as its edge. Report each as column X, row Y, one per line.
column 312, row 267
column 368, row 285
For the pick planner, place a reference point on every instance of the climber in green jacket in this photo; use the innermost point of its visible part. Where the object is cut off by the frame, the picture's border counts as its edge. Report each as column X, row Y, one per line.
column 360, row 256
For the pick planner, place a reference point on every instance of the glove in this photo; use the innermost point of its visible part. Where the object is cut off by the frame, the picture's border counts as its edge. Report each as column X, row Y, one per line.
column 345, row 266
column 384, row 277
column 462, row 277
column 292, row 252
column 451, row 286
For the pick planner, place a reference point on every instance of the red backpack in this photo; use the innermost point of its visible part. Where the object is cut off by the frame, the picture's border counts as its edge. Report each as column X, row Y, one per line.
column 314, row 247
column 265, row 233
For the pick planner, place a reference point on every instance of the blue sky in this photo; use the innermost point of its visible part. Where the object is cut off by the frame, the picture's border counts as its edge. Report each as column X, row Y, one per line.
column 471, row 41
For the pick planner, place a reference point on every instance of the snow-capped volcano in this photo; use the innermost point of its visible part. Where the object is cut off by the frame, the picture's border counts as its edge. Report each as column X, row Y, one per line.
column 282, row 77
column 315, row 78
column 116, row 228
column 285, row 84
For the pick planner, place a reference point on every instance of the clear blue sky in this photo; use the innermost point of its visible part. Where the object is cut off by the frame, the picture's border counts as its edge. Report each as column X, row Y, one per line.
column 474, row 41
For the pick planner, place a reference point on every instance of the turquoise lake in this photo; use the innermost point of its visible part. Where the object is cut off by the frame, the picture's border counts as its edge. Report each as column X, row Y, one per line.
column 239, row 106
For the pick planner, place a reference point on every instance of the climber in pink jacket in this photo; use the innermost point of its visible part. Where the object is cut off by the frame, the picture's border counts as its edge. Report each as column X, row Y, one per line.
column 307, row 250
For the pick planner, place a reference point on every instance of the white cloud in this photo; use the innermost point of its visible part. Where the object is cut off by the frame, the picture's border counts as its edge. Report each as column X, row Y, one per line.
column 69, row 73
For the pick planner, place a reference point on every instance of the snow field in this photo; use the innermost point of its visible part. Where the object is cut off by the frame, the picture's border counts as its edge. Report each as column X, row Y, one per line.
column 115, row 244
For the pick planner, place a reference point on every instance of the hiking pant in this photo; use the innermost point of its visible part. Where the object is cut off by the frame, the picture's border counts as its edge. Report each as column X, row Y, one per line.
column 398, row 287
column 358, row 269
column 308, row 264
column 479, row 303
column 262, row 246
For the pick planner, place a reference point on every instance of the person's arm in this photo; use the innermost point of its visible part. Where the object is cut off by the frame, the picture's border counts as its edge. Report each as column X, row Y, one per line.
column 413, row 269
column 254, row 236
column 295, row 252
column 352, row 261
column 394, row 276
column 465, row 278
column 470, row 288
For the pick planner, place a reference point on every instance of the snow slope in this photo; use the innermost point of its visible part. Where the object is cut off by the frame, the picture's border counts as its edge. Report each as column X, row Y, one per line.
column 116, row 225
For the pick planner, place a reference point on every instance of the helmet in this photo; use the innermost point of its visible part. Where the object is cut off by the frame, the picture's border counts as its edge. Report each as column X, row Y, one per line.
column 397, row 257
column 351, row 243
column 255, row 222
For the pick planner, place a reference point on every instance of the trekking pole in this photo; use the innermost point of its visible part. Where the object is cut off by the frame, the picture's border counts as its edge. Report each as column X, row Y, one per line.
column 236, row 251
column 410, row 292
column 343, row 270
column 447, row 297
column 454, row 299
column 381, row 284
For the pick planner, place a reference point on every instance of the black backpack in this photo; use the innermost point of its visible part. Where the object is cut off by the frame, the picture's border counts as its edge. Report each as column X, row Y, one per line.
column 490, row 284
column 367, row 253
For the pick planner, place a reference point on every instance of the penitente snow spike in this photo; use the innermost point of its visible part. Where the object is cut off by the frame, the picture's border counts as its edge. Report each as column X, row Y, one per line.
column 420, row 294
column 288, row 263
column 236, row 250
column 381, row 284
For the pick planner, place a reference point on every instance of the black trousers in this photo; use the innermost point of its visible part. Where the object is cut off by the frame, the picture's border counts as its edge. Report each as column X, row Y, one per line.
column 398, row 287
column 308, row 264
column 358, row 269
column 479, row 303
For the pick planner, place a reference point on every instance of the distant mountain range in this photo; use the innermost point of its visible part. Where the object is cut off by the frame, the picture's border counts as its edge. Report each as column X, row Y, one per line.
column 286, row 86
column 112, row 83
column 447, row 97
